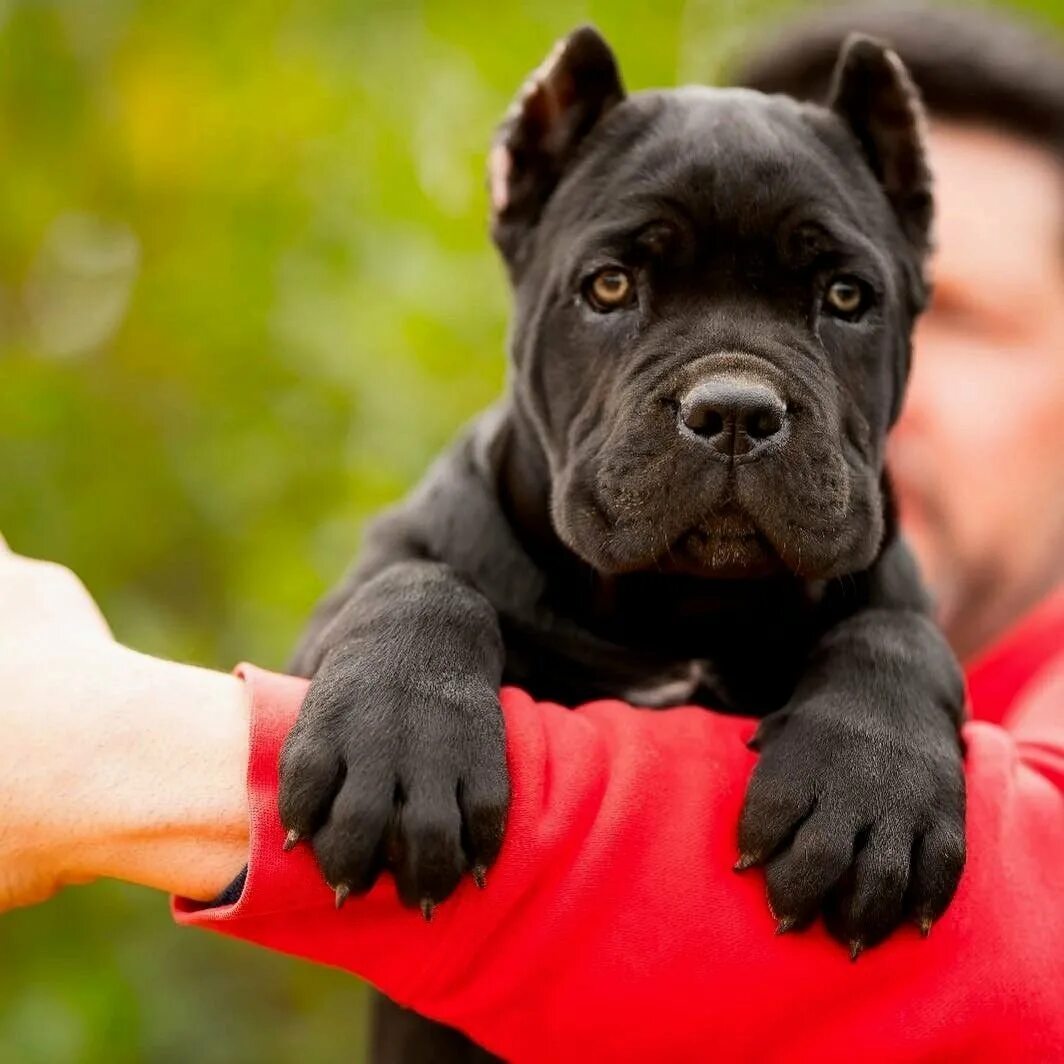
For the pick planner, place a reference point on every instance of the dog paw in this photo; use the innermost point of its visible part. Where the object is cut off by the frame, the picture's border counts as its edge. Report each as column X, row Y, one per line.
column 382, row 772
column 855, row 819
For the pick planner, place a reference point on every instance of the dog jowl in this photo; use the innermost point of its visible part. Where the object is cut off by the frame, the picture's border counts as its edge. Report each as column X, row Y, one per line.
column 680, row 499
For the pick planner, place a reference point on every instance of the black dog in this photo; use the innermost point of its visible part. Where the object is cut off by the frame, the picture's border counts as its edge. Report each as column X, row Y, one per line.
column 681, row 499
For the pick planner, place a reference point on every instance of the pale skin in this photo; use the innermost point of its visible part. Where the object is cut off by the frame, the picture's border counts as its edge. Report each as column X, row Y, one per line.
column 115, row 764
column 978, row 455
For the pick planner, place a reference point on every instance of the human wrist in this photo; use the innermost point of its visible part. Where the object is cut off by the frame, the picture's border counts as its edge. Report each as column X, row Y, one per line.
column 164, row 774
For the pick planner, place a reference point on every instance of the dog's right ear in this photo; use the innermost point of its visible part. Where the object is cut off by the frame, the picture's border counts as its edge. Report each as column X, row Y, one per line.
column 557, row 107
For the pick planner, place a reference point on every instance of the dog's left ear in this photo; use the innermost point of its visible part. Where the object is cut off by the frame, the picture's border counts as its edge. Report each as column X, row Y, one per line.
column 559, row 104
column 874, row 95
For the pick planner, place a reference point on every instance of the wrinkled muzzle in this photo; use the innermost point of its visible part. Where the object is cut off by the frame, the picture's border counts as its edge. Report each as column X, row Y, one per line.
column 731, row 467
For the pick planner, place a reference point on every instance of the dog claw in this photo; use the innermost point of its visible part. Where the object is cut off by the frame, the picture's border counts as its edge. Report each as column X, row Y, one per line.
column 924, row 924
column 290, row 840
column 746, row 860
column 787, row 923
column 428, row 909
column 856, row 948
column 342, row 893
column 480, row 876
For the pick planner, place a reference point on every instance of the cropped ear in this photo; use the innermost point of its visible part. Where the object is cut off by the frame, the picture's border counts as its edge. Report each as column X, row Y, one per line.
column 560, row 103
column 874, row 95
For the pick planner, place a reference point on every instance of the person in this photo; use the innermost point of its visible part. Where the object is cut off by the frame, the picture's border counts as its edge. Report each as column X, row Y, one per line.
column 611, row 926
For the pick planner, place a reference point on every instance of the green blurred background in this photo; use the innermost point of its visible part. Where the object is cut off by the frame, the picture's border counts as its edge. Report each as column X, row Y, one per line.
column 246, row 293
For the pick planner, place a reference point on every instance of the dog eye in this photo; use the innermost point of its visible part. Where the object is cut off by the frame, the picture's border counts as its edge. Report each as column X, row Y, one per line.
column 610, row 289
column 847, row 298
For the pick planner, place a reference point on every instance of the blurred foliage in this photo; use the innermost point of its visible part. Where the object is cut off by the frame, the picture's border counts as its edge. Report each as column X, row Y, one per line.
column 246, row 293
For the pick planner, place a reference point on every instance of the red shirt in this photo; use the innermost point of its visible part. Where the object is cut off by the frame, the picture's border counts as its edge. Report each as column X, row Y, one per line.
column 612, row 926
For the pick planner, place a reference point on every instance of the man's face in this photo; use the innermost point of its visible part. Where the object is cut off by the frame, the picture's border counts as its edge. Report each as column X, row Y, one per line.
column 978, row 454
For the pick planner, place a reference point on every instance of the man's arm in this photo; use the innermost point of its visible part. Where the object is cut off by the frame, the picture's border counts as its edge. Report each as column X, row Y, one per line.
column 611, row 927
column 112, row 763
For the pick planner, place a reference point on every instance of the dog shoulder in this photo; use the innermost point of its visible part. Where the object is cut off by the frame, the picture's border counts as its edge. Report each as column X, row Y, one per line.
column 454, row 515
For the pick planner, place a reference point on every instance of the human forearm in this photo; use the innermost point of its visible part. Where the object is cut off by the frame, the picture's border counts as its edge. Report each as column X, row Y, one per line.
column 112, row 763
column 168, row 766
column 613, row 897
column 613, row 917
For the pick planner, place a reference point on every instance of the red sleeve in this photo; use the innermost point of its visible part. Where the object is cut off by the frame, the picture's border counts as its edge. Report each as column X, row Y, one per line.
column 612, row 926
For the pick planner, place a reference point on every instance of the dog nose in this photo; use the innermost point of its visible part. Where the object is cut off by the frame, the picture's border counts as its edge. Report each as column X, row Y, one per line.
column 735, row 417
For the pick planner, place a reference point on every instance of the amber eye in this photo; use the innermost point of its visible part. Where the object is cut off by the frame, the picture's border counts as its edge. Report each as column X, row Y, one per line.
column 610, row 289
column 846, row 297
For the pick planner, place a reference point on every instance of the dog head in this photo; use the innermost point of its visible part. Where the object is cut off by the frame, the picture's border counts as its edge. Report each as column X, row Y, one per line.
column 714, row 296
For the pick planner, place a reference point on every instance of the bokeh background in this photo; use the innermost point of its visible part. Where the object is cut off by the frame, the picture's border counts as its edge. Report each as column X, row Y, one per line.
column 246, row 293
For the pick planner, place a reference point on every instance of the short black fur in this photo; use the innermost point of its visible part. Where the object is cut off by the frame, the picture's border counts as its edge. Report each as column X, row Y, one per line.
column 680, row 499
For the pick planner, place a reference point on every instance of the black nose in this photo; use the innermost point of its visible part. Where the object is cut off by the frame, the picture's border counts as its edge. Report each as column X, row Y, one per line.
column 735, row 417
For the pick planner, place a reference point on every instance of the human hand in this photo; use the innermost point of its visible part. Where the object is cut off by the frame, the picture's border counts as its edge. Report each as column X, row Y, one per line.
column 53, row 641
column 112, row 763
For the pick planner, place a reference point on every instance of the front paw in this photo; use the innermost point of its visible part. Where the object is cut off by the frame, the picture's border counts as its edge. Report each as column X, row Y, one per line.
column 386, row 771
column 857, row 818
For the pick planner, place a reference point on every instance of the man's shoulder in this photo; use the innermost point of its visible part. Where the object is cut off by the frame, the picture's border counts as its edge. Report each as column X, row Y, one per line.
column 1010, row 669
